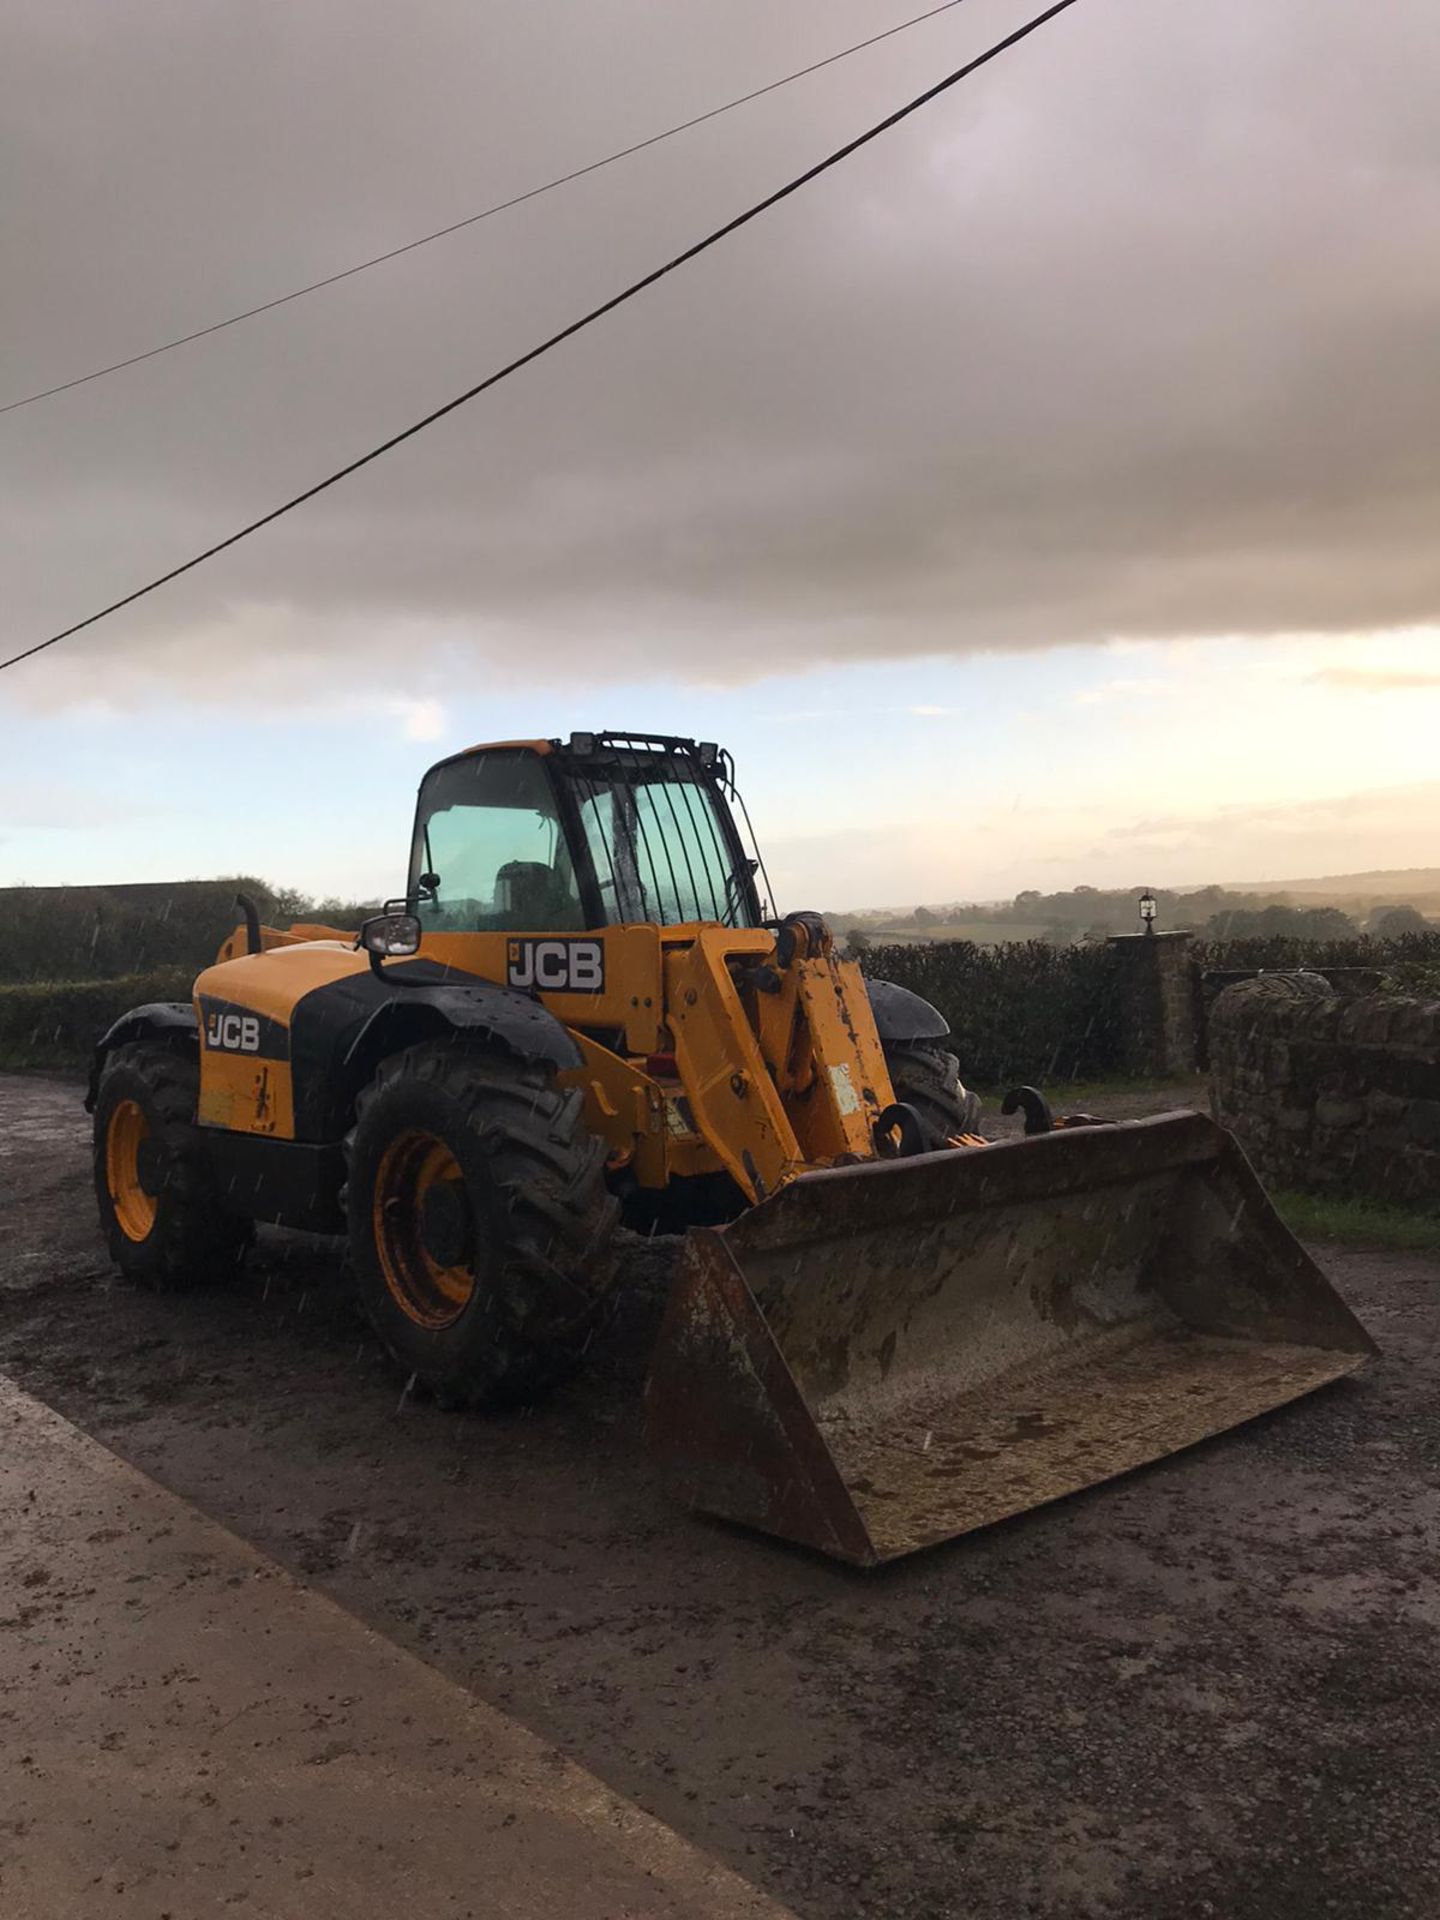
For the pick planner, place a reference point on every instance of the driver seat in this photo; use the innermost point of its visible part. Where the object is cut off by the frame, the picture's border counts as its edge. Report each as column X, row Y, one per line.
column 530, row 894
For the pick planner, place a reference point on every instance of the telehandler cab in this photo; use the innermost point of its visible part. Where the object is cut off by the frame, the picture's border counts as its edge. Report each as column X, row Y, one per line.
column 883, row 1332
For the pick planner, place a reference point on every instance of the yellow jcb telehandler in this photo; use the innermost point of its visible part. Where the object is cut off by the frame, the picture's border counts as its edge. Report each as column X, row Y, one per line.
column 883, row 1331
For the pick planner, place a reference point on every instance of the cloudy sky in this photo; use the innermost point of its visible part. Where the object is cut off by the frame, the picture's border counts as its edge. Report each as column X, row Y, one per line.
column 1050, row 494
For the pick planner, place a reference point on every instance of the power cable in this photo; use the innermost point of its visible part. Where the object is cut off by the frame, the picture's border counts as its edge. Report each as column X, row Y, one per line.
column 486, row 213
column 576, row 326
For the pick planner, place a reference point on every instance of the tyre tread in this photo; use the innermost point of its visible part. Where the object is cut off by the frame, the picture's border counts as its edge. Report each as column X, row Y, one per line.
column 927, row 1078
column 195, row 1239
column 559, row 1262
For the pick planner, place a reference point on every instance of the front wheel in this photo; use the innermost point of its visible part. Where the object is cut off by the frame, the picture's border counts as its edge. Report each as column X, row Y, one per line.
column 927, row 1078
column 480, row 1223
column 159, row 1209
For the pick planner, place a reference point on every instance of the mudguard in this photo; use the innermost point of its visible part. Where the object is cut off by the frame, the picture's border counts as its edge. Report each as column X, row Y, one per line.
column 901, row 1015
column 340, row 1032
column 140, row 1023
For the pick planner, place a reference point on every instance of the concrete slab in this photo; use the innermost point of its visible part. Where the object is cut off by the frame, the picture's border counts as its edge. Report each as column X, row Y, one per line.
column 186, row 1730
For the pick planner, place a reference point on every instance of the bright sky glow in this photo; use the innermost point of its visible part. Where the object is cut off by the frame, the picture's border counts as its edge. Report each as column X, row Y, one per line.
column 884, row 784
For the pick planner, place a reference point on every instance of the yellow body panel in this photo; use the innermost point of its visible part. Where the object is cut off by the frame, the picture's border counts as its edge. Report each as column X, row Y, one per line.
column 630, row 1000
column 851, row 1086
column 500, row 746
column 271, row 982
column 736, row 1105
column 245, row 1095
column 630, row 1111
column 247, row 1092
column 301, row 934
column 781, row 1076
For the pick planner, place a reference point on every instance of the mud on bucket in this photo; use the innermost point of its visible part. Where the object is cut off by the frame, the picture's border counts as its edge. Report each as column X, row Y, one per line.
column 881, row 1357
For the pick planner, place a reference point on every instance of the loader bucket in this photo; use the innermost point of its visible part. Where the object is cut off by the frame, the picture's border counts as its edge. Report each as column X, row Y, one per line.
column 883, row 1356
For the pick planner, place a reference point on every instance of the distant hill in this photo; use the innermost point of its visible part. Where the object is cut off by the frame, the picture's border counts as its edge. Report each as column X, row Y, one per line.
column 1298, row 908
column 1413, row 884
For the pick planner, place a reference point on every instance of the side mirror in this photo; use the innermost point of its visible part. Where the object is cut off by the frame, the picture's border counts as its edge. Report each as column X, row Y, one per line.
column 391, row 934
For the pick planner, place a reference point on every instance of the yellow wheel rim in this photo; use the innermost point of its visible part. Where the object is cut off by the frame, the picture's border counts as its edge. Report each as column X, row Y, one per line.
column 127, row 1133
column 414, row 1168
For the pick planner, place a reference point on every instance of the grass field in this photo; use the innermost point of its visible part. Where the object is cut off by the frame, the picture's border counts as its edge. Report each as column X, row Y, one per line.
column 1358, row 1223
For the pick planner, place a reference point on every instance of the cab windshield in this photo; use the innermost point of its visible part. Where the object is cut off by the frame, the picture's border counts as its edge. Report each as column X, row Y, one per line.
column 660, row 841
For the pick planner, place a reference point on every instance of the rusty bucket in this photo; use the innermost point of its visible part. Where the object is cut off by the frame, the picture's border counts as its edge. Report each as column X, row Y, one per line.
column 884, row 1356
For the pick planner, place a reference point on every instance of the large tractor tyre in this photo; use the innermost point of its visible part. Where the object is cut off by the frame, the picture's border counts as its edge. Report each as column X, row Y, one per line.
column 927, row 1078
column 160, row 1211
column 480, row 1224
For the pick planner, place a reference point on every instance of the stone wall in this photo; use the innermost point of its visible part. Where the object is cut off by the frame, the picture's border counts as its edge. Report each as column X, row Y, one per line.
column 1330, row 1091
column 1155, row 994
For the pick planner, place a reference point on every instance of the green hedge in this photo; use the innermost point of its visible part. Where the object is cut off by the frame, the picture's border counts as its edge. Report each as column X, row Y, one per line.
column 1023, row 1011
column 56, row 1023
column 103, row 933
column 1280, row 953
column 1030, row 1011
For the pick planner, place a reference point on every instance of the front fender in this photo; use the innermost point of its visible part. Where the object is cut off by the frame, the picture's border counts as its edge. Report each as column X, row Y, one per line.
column 902, row 1016
column 167, row 1017
column 340, row 1034
column 516, row 1022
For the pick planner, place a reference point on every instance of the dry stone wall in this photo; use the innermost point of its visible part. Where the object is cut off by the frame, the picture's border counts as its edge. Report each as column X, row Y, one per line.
column 1329, row 1091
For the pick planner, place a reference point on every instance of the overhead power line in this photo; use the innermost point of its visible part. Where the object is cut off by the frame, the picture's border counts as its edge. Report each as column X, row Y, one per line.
column 692, row 252
column 486, row 213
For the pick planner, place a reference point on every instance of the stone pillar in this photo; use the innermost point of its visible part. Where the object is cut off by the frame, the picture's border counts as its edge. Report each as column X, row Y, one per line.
column 1154, row 985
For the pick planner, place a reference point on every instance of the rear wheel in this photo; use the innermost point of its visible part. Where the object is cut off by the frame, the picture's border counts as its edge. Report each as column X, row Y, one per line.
column 480, row 1223
column 927, row 1078
column 159, row 1208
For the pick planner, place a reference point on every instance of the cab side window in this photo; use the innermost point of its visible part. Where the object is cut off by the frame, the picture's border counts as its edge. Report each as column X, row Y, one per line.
column 489, row 854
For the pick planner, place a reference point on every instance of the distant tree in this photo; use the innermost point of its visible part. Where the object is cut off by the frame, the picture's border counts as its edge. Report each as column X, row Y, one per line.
column 857, row 940
column 925, row 918
column 1324, row 923
column 344, row 913
column 1390, row 922
column 1296, row 923
column 1203, row 901
column 291, row 905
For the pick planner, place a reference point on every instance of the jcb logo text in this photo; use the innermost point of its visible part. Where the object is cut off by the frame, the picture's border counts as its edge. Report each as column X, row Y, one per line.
column 233, row 1033
column 557, row 966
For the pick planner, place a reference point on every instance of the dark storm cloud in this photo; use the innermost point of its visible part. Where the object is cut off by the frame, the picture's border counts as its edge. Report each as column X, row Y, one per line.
column 1134, row 335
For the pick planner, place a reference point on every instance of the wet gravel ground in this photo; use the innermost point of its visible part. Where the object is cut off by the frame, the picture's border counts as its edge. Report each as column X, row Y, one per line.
column 1210, row 1689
